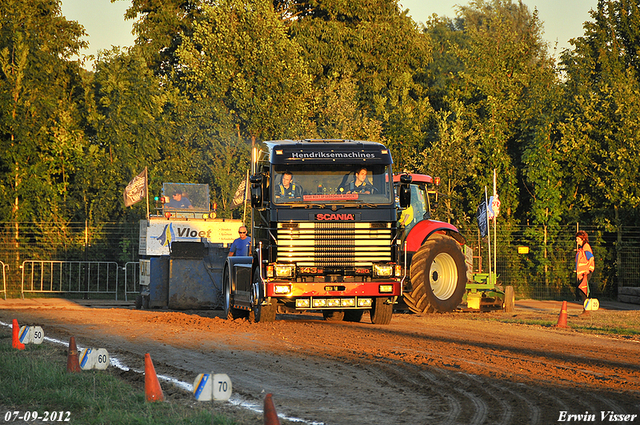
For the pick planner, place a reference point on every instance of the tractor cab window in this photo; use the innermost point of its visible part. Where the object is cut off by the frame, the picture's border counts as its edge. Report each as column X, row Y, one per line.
column 418, row 210
column 336, row 183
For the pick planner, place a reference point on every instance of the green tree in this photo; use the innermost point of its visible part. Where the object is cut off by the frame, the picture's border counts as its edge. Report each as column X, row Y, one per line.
column 160, row 26
column 245, row 80
column 131, row 127
column 41, row 91
column 493, row 62
column 600, row 131
column 375, row 46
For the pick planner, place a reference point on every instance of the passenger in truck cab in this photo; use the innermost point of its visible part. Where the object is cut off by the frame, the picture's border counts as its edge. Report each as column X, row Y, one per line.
column 359, row 184
column 288, row 189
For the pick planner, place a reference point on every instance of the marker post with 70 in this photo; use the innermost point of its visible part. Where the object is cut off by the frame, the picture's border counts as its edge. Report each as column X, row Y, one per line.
column 210, row 386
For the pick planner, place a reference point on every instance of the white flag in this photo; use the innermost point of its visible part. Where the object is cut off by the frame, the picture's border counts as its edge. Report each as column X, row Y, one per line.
column 136, row 190
column 239, row 196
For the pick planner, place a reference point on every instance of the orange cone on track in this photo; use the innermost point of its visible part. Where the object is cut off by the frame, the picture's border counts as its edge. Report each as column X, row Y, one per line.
column 73, row 363
column 15, row 343
column 270, row 415
column 152, row 389
column 562, row 319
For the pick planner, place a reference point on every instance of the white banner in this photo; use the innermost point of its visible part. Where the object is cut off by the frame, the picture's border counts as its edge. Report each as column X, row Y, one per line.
column 156, row 236
column 136, row 190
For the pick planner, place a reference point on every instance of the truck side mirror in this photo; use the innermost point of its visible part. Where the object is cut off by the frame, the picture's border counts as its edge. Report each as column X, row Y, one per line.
column 405, row 196
column 405, row 190
column 256, row 191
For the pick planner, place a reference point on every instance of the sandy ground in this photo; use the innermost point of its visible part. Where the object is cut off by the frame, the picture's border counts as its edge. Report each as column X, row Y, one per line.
column 435, row 369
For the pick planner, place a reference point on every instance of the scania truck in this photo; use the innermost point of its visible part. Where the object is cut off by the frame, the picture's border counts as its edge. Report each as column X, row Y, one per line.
column 325, row 237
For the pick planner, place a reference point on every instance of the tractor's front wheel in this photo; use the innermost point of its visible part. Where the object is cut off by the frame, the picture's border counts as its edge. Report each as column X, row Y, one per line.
column 438, row 276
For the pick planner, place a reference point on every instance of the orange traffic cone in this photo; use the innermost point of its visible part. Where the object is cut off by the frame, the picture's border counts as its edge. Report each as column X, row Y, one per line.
column 73, row 363
column 562, row 319
column 152, row 389
column 15, row 343
column 270, row 415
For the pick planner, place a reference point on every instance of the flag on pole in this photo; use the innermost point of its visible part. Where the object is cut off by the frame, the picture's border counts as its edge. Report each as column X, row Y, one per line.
column 136, row 190
column 481, row 216
column 240, row 195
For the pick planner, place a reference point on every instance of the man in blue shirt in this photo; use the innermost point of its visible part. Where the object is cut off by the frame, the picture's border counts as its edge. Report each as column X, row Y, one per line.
column 242, row 245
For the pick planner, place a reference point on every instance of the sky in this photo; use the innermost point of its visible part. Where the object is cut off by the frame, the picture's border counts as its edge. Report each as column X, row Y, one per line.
column 105, row 24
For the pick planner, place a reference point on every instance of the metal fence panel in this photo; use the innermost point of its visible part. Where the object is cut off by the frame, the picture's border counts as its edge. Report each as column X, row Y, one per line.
column 131, row 278
column 82, row 277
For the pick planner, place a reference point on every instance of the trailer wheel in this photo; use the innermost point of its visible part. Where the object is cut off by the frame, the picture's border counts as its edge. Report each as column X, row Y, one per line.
column 333, row 315
column 438, row 276
column 353, row 315
column 381, row 311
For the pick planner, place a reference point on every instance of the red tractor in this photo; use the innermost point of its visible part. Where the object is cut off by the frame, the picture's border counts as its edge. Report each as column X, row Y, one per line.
column 433, row 250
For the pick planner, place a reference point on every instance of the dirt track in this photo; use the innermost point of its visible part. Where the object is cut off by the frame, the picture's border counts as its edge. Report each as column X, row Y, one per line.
column 439, row 369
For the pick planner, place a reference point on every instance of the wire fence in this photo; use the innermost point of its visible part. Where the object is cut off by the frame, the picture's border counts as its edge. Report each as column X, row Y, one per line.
column 540, row 264
column 537, row 262
column 32, row 243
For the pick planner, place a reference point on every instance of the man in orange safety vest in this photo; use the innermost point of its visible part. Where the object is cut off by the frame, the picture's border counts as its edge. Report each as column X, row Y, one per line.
column 585, row 264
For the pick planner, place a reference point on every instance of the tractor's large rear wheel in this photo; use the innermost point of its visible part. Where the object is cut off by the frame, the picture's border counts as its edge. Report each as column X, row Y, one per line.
column 438, row 276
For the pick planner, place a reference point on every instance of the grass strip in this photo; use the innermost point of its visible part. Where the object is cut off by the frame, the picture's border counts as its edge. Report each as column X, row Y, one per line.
column 36, row 380
column 601, row 322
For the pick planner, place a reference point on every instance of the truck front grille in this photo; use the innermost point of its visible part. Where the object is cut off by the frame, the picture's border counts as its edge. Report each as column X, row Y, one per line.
column 335, row 244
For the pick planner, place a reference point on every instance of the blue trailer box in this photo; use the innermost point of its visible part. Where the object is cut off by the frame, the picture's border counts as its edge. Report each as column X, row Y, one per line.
column 159, row 282
column 195, row 275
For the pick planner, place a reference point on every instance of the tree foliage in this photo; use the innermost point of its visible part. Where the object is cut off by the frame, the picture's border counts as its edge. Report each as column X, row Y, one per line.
column 602, row 124
column 41, row 101
column 457, row 98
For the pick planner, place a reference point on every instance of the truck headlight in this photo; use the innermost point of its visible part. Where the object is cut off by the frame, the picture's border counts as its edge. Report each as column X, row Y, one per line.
column 282, row 289
column 382, row 270
column 302, row 303
column 364, row 302
column 319, row 302
column 284, row 270
column 385, row 289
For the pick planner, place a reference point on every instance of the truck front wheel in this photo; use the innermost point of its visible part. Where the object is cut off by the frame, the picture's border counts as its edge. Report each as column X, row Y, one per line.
column 438, row 276
column 263, row 313
column 381, row 311
column 333, row 315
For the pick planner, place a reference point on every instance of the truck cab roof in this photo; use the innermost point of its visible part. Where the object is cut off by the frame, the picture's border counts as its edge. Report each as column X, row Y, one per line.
column 318, row 151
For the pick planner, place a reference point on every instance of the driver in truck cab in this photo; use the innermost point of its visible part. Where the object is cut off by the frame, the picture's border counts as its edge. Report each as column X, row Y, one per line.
column 287, row 189
column 360, row 184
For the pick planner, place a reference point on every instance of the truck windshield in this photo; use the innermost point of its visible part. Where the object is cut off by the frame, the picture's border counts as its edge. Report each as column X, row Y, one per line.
column 332, row 184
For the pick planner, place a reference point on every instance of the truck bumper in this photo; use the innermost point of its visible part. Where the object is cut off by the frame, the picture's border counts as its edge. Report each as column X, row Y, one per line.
column 337, row 290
